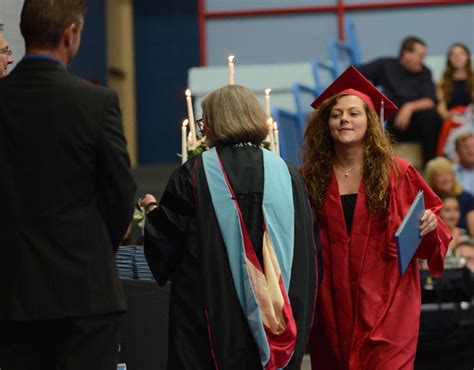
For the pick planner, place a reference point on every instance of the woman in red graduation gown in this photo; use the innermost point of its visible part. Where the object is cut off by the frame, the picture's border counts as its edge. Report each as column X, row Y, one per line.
column 234, row 234
column 368, row 314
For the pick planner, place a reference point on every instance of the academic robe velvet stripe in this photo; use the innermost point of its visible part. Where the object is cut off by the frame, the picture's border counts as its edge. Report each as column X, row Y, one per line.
column 262, row 294
column 369, row 314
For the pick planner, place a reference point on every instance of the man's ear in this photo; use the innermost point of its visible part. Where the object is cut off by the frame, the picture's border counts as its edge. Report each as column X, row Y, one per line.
column 68, row 34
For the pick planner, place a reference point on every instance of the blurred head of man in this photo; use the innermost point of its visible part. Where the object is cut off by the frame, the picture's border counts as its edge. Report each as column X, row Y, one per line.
column 5, row 54
column 412, row 54
column 53, row 27
column 465, row 149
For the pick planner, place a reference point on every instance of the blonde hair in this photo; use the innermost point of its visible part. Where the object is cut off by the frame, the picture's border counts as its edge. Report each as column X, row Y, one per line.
column 233, row 115
column 437, row 165
column 318, row 160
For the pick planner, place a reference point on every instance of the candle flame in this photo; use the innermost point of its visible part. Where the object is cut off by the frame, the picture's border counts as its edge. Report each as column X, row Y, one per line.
column 231, row 58
column 188, row 92
column 275, row 126
column 269, row 121
column 185, row 122
column 267, row 91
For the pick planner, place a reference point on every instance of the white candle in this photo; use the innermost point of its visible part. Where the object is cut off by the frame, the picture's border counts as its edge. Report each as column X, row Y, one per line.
column 190, row 142
column 270, row 134
column 192, row 124
column 277, row 139
column 184, row 146
column 267, row 102
column 231, row 69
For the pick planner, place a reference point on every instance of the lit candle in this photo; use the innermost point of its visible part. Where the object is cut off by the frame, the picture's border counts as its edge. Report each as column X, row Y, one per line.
column 231, row 69
column 277, row 139
column 184, row 146
column 192, row 125
column 267, row 102
column 270, row 134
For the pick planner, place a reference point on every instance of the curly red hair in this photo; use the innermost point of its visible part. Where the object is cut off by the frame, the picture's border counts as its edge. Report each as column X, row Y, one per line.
column 318, row 151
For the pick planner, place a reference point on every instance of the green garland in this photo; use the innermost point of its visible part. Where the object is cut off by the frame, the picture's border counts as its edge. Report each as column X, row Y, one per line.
column 201, row 148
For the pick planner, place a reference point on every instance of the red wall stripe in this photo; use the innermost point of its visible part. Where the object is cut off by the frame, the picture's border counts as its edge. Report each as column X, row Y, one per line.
column 202, row 33
column 340, row 19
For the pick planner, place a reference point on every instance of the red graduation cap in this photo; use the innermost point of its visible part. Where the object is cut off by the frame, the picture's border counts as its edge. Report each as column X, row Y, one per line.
column 351, row 81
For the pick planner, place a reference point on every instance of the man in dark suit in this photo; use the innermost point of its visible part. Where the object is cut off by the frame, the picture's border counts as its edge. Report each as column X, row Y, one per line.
column 68, row 192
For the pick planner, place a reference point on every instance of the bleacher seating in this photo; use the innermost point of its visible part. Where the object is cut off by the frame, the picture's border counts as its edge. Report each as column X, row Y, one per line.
column 304, row 96
column 352, row 39
column 323, row 75
column 341, row 55
column 290, row 135
column 295, row 84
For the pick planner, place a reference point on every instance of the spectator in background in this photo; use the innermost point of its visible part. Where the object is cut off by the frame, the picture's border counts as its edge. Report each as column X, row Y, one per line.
column 407, row 82
column 5, row 54
column 465, row 166
column 455, row 92
column 440, row 175
column 466, row 250
column 450, row 214
column 456, row 87
column 61, row 300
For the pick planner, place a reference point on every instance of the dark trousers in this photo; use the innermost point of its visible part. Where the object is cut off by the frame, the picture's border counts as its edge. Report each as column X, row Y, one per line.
column 424, row 127
column 61, row 344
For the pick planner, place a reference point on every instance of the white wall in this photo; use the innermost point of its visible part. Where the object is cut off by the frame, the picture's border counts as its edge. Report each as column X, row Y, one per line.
column 303, row 37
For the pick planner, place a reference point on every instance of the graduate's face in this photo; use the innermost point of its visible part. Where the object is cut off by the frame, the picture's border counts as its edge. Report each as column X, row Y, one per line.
column 348, row 121
column 450, row 212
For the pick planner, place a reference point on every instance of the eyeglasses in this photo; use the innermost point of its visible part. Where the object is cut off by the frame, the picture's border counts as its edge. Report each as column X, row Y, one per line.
column 200, row 123
column 6, row 51
column 200, row 128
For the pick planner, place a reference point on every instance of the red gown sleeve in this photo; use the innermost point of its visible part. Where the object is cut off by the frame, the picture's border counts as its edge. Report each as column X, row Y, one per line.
column 434, row 245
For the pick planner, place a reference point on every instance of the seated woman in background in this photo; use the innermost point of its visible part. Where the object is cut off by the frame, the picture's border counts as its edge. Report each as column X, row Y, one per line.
column 455, row 92
column 440, row 175
column 450, row 214
column 234, row 233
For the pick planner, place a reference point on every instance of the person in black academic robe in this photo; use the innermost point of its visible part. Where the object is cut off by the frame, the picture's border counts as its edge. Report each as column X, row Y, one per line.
column 184, row 243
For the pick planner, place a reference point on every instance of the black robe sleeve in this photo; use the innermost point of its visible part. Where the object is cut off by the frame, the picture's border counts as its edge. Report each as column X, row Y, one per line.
column 166, row 226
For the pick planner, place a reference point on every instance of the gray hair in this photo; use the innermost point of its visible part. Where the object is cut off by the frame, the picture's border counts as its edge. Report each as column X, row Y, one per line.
column 233, row 115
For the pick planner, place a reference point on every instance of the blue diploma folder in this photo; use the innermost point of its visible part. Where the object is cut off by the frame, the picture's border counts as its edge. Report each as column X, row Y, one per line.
column 408, row 234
